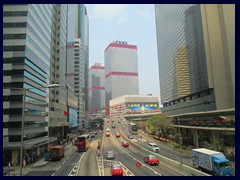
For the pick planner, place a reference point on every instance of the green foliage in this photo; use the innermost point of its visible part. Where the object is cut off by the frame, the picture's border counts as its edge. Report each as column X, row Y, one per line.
column 160, row 123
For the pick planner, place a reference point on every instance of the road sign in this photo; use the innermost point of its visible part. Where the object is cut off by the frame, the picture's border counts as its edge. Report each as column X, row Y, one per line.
column 138, row 164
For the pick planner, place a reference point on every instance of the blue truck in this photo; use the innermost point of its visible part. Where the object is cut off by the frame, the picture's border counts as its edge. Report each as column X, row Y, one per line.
column 212, row 162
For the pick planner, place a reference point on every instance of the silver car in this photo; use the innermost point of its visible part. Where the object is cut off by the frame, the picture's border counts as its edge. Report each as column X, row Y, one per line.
column 110, row 155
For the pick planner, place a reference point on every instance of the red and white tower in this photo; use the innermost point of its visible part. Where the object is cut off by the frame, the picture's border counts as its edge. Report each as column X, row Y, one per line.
column 121, row 71
column 96, row 93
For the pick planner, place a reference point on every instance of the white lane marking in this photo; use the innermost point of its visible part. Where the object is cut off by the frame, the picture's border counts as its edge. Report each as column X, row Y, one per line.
column 77, row 166
column 125, row 169
column 133, row 156
column 59, row 168
column 99, row 171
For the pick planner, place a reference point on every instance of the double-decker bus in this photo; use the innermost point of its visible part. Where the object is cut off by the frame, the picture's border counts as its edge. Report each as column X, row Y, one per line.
column 133, row 128
column 83, row 142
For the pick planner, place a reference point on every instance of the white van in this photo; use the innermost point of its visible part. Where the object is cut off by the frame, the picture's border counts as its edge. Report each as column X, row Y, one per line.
column 153, row 147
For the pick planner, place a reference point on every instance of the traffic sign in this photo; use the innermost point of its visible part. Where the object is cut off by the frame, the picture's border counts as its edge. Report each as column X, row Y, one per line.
column 138, row 164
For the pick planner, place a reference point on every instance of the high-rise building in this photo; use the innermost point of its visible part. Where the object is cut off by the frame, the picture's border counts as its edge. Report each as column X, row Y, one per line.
column 72, row 97
column 79, row 81
column 96, row 100
column 121, row 71
column 26, row 64
column 207, row 32
column 82, row 32
column 58, row 117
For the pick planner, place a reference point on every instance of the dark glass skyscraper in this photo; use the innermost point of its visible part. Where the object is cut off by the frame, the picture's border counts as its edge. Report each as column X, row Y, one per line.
column 82, row 32
column 200, row 38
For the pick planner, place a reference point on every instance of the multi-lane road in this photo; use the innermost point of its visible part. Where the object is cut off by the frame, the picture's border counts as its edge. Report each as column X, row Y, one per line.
column 94, row 163
column 128, row 156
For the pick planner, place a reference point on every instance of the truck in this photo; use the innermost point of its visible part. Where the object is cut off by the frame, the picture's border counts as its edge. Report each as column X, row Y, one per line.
column 56, row 152
column 212, row 162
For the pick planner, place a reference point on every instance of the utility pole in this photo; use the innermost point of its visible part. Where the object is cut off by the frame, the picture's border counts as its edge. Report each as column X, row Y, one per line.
column 180, row 140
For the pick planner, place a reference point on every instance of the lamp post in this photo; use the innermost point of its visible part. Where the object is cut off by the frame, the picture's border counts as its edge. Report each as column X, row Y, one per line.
column 180, row 140
column 23, row 117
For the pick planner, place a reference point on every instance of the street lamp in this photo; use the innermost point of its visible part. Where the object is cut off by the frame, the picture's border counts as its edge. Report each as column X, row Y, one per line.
column 23, row 116
column 180, row 140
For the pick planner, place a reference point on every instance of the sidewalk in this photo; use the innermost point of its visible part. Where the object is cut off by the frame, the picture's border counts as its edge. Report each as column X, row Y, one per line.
column 15, row 171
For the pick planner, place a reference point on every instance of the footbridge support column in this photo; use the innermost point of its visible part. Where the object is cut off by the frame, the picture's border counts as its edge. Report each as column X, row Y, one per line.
column 195, row 137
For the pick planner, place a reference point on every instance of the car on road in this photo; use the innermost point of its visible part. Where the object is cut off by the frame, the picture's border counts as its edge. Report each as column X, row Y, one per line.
column 116, row 169
column 153, row 147
column 125, row 144
column 117, row 135
column 110, row 155
column 107, row 134
column 151, row 160
column 130, row 136
column 113, row 126
column 107, row 130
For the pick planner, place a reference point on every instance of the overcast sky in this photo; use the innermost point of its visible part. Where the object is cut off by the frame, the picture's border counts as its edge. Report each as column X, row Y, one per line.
column 134, row 23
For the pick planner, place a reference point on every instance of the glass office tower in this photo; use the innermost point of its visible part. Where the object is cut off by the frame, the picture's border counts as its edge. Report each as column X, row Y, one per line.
column 26, row 64
column 202, row 39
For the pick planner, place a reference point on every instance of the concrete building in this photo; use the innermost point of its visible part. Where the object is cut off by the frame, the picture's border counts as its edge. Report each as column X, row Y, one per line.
column 96, row 90
column 26, row 64
column 121, row 71
column 133, row 104
column 79, row 81
column 82, row 32
column 72, row 97
column 208, row 33
column 58, row 118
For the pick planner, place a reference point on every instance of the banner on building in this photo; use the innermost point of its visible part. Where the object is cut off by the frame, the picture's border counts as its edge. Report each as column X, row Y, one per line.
column 143, row 107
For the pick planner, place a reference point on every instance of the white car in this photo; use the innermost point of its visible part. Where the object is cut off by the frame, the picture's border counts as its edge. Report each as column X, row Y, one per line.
column 110, row 155
column 153, row 147
column 107, row 130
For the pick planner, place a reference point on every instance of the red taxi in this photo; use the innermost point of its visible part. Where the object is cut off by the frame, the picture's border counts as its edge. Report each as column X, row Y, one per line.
column 125, row 144
column 117, row 135
column 116, row 169
column 107, row 134
column 151, row 160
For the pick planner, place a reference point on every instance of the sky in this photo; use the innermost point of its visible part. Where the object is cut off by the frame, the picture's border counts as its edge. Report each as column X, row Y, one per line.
column 133, row 23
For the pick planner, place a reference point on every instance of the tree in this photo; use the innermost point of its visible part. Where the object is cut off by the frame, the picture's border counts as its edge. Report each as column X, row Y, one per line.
column 161, row 124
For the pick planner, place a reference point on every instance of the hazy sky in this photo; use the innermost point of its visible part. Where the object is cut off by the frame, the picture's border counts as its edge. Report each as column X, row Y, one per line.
column 134, row 23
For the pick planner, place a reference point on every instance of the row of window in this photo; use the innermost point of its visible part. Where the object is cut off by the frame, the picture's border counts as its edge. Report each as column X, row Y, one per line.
column 18, row 111
column 14, row 13
column 13, row 48
column 15, row 25
column 48, row 38
column 37, row 91
column 40, row 24
column 26, row 124
column 46, row 45
column 34, row 67
column 14, row 36
column 33, row 55
column 17, row 138
column 34, row 78
column 39, row 49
